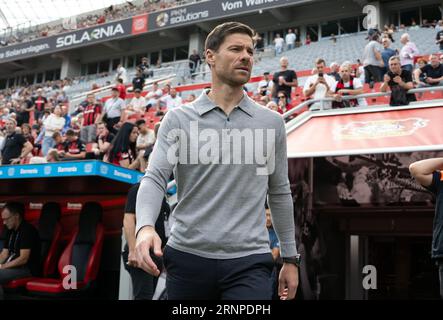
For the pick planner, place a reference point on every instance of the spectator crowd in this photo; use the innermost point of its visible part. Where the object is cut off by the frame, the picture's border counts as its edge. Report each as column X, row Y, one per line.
column 36, row 125
column 111, row 13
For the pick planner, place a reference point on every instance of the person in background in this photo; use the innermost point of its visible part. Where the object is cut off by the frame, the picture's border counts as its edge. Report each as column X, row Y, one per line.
column 429, row 173
column 386, row 54
column 20, row 256
column 274, row 245
column 123, row 148
column 143, row 283
column 399, row 81
column 407, row 53
column 54, row 123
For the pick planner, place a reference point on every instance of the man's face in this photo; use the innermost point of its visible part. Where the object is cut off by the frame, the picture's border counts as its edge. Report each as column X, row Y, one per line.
column 137, row 94
column 232, row 63
column 435, row 61
column 345, row 73
column 91, row 99
column 9, row 220
column 64, row 110
column 268, row 218
column 58, row 139
column 70, row 138
column 173, row 92
column 320, row 67
column 266, row 77
column 10, row 127
column 394, row 66
column 284, row 63
column 385, row 43
column 114, row 93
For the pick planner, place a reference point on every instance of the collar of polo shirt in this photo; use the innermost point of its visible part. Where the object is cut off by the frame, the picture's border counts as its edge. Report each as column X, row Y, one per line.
column 203, row 104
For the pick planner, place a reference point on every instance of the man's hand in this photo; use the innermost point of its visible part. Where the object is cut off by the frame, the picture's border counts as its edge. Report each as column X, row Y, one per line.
column 337, row 97
column 132, row 259
column 288, row 281
column 148, row 239
column 398, row 80
column 430, row 80
column 15, row 161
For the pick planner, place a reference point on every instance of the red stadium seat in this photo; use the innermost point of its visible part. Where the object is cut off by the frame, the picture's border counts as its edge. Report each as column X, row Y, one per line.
column 83, row 252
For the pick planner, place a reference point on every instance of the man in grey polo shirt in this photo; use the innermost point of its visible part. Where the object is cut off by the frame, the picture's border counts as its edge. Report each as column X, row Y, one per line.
column 227, row 154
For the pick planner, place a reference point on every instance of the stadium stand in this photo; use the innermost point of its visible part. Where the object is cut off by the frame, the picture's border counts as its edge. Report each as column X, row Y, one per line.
column 29, row 111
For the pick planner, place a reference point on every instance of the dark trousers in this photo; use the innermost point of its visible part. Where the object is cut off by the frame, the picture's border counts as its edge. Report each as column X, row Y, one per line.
column 7, row 275
column 372, row 75
column 110, row 123
column 143, row 283
column 191, row 277
column 440, row 274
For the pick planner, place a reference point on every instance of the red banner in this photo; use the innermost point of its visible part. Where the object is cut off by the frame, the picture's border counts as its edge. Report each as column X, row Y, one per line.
column 389, row 131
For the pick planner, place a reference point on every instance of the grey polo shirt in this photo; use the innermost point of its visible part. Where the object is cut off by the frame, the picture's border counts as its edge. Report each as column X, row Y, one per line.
column 113, row 107
column 224, row 167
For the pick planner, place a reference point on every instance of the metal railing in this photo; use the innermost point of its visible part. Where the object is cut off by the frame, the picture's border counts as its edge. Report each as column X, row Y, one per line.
column 350, row 97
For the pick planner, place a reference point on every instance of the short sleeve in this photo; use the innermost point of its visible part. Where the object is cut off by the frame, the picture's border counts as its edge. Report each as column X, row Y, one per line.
column 436, row 182
column 131, row 199
column 21, row 139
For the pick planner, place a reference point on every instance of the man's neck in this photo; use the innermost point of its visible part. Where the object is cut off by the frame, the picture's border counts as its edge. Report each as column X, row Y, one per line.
column 226, row 97
column 283, row 68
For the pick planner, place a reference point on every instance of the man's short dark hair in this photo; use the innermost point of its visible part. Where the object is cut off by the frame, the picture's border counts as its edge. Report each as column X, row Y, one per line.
column 70, row 132
column 16, row 208
column 320, row 61
column 218, row 35
column 55, row 135
column 139, row 122
column 266, row 73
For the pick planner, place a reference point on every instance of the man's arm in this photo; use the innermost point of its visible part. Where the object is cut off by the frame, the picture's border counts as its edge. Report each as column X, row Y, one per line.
column 4, row 255
column 282, row 211
column 152, row 190
column 384, row 87
column 417, row 73
column 307, row 92
column 280, row 199
column 422, row 170
column 129, row 230
column 20, row 261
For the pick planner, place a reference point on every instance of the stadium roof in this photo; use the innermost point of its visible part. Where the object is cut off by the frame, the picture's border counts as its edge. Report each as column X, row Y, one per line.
column 15, row 13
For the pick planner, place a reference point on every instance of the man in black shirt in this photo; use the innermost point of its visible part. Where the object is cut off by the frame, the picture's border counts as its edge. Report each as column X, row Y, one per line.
column 429, row 173
column 102, row 142
column 26, row 106
column 143, row 283
column 20, row 257
column 144, row 68
column 194, row 61
column 399, row 81
column 432, row 73
column 75, row 149
column 15, row 146
column 138, row 82
column 284, row 80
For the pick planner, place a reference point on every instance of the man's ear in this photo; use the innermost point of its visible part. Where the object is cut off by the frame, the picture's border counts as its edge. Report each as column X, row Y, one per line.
column 210, row 57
